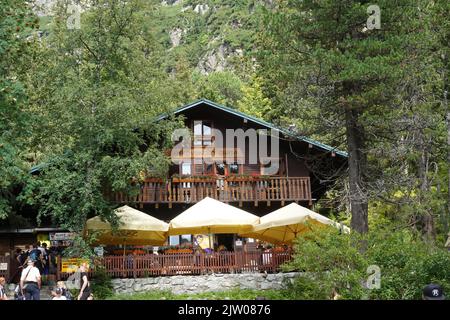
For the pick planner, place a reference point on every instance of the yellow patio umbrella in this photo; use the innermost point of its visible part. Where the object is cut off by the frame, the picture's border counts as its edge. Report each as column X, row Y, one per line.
column 283, row 225
column 212, row 216
column 135, row 228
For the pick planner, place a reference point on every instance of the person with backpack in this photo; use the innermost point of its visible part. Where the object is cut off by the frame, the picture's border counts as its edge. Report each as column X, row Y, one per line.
column 36, row 256
column 65, row 292
column 30, row 282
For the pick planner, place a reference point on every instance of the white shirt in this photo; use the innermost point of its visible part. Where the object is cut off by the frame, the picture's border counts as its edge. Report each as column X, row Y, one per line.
column 42, row 250
column 31, row 275
column 59, row 298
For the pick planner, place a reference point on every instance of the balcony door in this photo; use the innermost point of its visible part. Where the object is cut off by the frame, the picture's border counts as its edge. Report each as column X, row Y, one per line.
column 202, row 133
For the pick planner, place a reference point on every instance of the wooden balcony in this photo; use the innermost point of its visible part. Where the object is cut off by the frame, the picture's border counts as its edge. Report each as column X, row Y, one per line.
column 250, row 189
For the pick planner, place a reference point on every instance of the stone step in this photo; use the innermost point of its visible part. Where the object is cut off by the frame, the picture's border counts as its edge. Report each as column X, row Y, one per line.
column 45, row 294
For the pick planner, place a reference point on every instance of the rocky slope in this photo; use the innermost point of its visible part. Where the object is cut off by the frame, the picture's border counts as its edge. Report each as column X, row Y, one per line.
column 211, row 35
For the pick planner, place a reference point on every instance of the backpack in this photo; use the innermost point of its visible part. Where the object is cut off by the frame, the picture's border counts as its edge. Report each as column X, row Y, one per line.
column 34, row 254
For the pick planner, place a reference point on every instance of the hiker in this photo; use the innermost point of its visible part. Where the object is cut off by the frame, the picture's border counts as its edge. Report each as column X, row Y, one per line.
column 45, row 260
column 3, row 295
column 30, row 282
column 36, row 256
column 433, row 292
column 85, row 289
column 64, row 291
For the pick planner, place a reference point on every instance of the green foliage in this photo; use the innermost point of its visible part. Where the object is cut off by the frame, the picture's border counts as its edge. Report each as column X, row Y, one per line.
column 332, row 262
column 81, row 248
column 220, row 87
column 17, row 24
column 253, row 101
column 234, row 294
column 96, row 103
column 337, row 264
column 101, row 284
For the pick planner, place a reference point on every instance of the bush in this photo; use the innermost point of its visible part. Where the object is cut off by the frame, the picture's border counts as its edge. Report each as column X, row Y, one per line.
column 101, row 284
column 336, row 264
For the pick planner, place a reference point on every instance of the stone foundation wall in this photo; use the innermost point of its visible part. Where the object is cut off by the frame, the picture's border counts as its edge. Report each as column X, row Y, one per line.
column 204, row 283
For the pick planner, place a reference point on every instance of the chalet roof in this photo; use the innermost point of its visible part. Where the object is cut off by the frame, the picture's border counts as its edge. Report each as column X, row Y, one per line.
column 263, row 123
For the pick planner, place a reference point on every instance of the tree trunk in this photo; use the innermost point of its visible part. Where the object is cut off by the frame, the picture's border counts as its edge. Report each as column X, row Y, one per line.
column 356, row 167
column 426, row 216
column 446, row 220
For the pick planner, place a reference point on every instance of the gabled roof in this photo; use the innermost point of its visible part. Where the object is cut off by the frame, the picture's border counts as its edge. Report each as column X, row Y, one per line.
column 235, row 112
column 257, row 121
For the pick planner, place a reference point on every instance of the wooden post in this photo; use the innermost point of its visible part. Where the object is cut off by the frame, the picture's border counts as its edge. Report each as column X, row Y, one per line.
column 287, row 165
column 58, row 266
column 134, row 266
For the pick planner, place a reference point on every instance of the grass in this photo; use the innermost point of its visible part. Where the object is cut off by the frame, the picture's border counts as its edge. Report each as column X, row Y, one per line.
column 235, row 294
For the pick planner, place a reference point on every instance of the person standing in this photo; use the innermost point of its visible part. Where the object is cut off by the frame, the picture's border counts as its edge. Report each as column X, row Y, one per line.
column 85, row 289
column 30, row 282
column 3, row 295
column 36, row 256
column 45, row 262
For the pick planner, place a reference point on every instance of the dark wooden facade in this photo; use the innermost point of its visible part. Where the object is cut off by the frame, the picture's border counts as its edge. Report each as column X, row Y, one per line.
column 243, row 183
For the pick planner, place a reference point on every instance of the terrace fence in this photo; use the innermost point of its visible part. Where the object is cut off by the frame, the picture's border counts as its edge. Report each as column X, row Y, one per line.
column 153, row 265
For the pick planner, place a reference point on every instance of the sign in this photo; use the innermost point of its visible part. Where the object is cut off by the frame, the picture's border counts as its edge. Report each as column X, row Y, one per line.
column 3, row 266
column 61, row 236
column 70, row 265
column 238, row 243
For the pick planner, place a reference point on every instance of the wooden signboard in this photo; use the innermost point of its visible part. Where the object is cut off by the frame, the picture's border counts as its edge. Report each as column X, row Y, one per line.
column 70, row 265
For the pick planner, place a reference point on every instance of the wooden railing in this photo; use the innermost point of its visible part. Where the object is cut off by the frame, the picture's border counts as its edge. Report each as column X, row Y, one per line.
column 138, row 266
column 239, row 190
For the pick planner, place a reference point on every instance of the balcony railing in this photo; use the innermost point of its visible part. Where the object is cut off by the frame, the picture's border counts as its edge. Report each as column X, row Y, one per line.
column 151, row 265
column 191, row 190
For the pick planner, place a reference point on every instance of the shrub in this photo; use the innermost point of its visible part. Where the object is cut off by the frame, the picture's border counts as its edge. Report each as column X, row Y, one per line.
column 101, row 284
column 335, row 263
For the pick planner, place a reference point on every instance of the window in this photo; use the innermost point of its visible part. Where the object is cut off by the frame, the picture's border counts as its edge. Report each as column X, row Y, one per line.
column 174, row 240
column 186, row 168
column 202, row 133
column 177, row 240
column 186, row 238
column 209, row 169
column 233, row 168
column 220, row 169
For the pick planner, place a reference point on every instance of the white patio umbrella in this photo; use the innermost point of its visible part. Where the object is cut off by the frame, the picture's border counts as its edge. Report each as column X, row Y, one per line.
column 212, row 216
column 135, row 228
column 283, row 225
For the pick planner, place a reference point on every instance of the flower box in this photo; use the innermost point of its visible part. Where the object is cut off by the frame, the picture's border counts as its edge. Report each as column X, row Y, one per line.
column 177, row 251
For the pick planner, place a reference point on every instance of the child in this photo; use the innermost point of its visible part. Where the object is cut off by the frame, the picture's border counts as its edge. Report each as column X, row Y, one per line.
column 65, row 292
column 59, row 295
